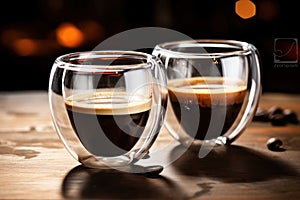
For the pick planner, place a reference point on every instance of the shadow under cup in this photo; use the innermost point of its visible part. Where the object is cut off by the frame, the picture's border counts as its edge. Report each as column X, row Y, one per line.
column 214, row 88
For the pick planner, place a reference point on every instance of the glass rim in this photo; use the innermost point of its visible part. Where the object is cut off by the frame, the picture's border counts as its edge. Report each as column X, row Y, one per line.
column 65, row 61
column 237, row 47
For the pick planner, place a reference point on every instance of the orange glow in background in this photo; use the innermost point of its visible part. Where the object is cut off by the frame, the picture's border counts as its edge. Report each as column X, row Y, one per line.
column 68, row 35
column 25, row 42
column 268, row 10
column 91, row 30
column 245, row 9
column 25, row 47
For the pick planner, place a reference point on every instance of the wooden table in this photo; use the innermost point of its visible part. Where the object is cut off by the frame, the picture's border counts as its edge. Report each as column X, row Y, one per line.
column 35, row 165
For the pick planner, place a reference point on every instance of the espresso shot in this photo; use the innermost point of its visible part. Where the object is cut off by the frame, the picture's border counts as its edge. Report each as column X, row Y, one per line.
column 108, row 124
column 201, row 97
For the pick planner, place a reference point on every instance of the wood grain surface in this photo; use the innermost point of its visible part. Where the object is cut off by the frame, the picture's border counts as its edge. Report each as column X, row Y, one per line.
column 35, row 165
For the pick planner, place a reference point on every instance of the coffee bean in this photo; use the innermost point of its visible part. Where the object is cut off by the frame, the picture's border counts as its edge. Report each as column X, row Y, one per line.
column 290, row 116
column 274, row 144
column 276, row 116
column 261, row 115
column 278, row 120
column 275, row 110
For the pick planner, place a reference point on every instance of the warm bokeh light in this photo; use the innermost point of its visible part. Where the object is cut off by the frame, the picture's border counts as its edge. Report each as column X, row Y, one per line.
column 9, row 36
column 267, row 10
column 68, row 35
column 245, row 9
column 25, row 47
column 22, row 43
column 92, row 30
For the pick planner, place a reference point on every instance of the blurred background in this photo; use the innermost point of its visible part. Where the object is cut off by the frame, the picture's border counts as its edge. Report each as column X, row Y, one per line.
column 34, row 32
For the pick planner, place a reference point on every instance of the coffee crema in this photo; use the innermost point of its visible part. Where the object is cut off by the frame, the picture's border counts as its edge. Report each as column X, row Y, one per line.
column 203, row 95
column 108, row 124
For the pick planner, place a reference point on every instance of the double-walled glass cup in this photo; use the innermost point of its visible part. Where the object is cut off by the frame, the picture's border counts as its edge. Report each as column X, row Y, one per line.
column 214, row 87
column 107, row 106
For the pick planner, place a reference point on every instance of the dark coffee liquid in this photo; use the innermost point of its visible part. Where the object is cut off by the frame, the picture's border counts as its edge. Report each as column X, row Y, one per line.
column 108, row 125
column 189, row 97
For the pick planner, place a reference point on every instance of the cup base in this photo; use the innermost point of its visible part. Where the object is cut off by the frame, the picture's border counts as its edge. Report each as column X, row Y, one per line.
column 106, row 163
column 206, row 145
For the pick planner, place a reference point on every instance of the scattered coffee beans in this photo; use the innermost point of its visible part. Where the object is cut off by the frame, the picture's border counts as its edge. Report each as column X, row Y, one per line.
column 276, row 115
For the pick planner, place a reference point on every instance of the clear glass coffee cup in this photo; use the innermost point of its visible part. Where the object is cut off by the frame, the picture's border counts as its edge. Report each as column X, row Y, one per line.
column 214, row 88
column 107, row 106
